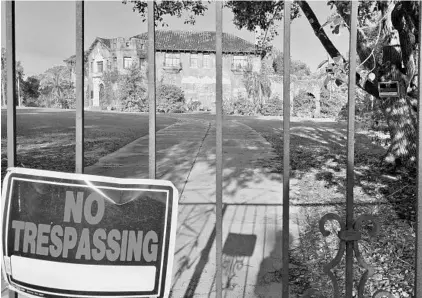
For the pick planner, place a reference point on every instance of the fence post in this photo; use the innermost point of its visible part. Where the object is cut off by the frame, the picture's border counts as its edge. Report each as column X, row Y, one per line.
column 11, row 91
column 418, row 244
column 11, row 83
column 351, row 146
column 219, row 148
column 286, row 148
column 151, row 89
column 79, row 71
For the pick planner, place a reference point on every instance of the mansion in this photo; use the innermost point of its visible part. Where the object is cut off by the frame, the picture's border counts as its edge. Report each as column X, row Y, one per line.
column 183, row 58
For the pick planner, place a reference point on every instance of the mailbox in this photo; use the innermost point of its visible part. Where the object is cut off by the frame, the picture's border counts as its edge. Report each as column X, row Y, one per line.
column 388, row 89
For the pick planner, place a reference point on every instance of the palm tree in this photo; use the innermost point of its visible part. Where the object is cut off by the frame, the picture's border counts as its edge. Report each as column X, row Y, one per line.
column 56, row 83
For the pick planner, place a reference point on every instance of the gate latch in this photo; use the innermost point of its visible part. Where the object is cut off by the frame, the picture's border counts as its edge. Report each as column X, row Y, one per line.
column 349, row 235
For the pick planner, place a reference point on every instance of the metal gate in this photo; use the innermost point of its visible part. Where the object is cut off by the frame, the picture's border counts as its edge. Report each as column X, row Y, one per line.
column 350, row 227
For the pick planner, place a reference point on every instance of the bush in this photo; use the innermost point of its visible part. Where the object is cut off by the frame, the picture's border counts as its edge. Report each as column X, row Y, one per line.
column 239, row 106
column 304, row 104
column 331, row 105
column 170, row 99
column 273, row 107
column 194, row 105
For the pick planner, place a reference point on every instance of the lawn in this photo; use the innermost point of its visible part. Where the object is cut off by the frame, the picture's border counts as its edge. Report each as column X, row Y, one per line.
column 46, row 138
column 318, row 170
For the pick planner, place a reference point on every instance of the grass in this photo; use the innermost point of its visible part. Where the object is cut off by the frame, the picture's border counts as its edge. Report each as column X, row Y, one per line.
column 318, row 168
column 46, row 140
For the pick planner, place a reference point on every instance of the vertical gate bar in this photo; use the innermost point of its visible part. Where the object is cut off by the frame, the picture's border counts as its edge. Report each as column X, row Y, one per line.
column 418, row 259
column 351, row 146
column 11, row 83
column 79, row 71
column 219, row 148
column 11, row 91
column 151, row 88
column 286, row 149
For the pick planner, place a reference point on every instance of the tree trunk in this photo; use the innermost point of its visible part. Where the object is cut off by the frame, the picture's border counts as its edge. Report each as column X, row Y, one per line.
column 399, row 112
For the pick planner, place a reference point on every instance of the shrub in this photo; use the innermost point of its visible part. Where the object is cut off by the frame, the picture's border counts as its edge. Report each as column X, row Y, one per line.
column 193, row 105
column 303, row 104
column 331, row 105
column 132, row 91
column 273, row 107
column 239, row 106
column 170, row 99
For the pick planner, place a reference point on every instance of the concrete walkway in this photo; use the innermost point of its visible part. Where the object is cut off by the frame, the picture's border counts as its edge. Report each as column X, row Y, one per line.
column 252, row 212
column 252, row 235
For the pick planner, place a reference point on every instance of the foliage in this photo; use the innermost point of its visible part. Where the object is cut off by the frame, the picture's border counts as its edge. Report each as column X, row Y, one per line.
column 332, row 101
column 381, row 26
column 173, row 8
column 170, row 99
column 304, row 104
column 194, row 105
column 19, row 77
column 110, row 79
column 273, row 107
column 298, row 68
column 29, row 90
column 239, row 106
column 132, row 91
column 258, row 88
column 57, row 88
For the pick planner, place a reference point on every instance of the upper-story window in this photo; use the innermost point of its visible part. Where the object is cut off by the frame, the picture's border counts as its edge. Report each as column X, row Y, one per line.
column 172, row 59
column 100, row 66
column 127, row 62
column 92, row 66
column 240, row 62
column 194, row 60
column 207, row 61
column 108, row 64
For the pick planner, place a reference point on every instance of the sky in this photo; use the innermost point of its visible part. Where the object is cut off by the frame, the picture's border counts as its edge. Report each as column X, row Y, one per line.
column 45, row 30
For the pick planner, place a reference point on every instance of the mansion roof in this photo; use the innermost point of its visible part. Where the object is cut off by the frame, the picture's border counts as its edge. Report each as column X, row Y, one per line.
column 202, row 41
column 187, row 41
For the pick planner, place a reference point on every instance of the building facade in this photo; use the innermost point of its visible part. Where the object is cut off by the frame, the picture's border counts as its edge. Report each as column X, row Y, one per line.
column 183, row 58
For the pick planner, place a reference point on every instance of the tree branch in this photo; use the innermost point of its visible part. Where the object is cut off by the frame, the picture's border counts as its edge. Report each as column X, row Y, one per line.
column 369, row 87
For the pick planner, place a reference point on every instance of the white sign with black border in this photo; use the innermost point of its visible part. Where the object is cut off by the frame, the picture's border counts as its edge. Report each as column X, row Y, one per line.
column 77, row 235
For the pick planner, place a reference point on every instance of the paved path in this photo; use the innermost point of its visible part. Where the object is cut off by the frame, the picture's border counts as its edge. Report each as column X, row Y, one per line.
column 252, row 197
column 252, row 210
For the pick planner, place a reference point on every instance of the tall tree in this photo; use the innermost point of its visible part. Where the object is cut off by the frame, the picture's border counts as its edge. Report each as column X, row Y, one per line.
column 29, row 89
column 19, row 78
column 56, row 84
column 387, row 39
